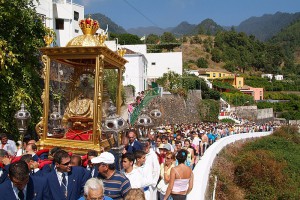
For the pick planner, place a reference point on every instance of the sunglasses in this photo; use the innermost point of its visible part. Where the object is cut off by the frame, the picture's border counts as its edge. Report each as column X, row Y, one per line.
column 66, row 164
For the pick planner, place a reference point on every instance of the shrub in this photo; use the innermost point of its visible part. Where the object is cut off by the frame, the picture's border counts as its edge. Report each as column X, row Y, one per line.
column 202, row 63
column 208, row 110
column 228, row 121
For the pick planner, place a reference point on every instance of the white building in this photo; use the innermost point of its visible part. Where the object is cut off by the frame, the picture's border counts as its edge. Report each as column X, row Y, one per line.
column 270, row 76
column 205, row 78
column 136, row 71
column 160, row 63
column 278, row 77
column 143, row 67
column 63, row 17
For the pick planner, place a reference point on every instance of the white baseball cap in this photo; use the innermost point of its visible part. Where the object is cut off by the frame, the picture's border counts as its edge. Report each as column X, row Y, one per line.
column 105, row 157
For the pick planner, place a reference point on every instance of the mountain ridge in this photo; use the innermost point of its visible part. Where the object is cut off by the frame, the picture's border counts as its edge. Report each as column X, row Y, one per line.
column 262, row 27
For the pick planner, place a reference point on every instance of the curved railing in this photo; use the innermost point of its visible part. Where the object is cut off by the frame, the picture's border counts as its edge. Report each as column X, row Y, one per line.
column 202, row 169
column 150, row 94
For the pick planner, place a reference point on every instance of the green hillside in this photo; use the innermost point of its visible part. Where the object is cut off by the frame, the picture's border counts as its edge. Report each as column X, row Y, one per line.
column 268, row 25
column 289, row 40
column 268, row 168
column 207, row 27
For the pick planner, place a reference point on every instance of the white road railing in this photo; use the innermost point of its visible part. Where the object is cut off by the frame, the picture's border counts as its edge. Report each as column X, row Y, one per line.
column 202, row 168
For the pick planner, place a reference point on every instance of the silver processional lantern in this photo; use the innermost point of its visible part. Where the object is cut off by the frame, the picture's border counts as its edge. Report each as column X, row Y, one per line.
column 155, row 113
column 22, row 117
column 114, row 125
column 145, row 122
column 55, row 120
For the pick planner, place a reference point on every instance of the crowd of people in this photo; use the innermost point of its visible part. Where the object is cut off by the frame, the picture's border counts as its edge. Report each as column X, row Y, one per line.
column 157, row 167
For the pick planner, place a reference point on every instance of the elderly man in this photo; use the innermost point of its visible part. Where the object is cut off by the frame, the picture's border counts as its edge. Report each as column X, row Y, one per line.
column 93, row 189
column 116, row 185
column 134, row 144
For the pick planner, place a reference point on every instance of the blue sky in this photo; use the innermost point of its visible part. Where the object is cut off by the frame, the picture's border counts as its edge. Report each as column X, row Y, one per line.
column 169, row 13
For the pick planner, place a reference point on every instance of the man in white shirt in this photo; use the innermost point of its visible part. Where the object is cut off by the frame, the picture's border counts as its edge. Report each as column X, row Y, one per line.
column 196, row 144
column 8, row 145
column 152, row 161
column 145, row 170
column 134, row 175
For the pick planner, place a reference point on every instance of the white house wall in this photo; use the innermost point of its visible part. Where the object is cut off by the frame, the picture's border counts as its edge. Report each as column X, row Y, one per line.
column 139, row 48
column 45, row 8
column 135, row 73
column 61, row 9
column 76, row 29
column 160, row 63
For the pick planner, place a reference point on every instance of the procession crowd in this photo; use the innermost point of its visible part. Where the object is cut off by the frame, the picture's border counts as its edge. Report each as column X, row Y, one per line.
column 157, row 167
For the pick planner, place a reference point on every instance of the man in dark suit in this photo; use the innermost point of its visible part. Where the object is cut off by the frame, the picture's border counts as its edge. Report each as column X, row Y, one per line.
column 134, row 144
column 47, row 168
column 90, row 166
column 23, row 187
column 4, row 165
column 33, row 165
column 66, row 182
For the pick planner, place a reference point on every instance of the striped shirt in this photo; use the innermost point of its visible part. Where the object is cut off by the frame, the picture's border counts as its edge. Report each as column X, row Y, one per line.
column 117, row 186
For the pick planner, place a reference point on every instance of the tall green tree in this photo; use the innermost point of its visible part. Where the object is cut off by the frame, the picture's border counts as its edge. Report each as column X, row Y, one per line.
column 168, row 37
column 21, row 34
column 126, row 38
column 152, row 39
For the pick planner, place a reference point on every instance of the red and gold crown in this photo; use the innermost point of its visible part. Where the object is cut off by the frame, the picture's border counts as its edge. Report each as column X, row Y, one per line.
column 89, row 26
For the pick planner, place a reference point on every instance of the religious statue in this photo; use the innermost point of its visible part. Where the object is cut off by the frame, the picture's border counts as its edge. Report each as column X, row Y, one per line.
column 79, row 113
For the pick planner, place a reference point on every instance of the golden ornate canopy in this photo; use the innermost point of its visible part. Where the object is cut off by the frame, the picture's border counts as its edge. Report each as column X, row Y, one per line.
column 85, row 54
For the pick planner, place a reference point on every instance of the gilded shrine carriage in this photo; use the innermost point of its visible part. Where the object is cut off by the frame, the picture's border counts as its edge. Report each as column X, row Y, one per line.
column 75, row 99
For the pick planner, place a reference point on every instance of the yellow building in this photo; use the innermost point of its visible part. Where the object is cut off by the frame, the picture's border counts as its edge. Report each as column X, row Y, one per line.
column 224, row 76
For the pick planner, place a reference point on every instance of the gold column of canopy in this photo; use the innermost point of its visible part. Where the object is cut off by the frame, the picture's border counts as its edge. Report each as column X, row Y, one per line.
column 83, row 53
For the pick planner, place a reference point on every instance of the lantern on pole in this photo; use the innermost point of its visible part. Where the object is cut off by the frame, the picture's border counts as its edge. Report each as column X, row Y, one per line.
column 22, row 117
column 114, row 125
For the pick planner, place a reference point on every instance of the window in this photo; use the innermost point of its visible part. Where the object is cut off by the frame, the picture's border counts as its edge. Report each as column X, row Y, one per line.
column 59, row 24
column 76, row 31
column 214, row 74
column 153, row 63
column 76, row 16
column 220, row 75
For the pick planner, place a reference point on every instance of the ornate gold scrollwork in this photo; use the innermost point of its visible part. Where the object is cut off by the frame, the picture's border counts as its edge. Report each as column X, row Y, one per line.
column 43, row 96
column 39, row 127
column 44, row 60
